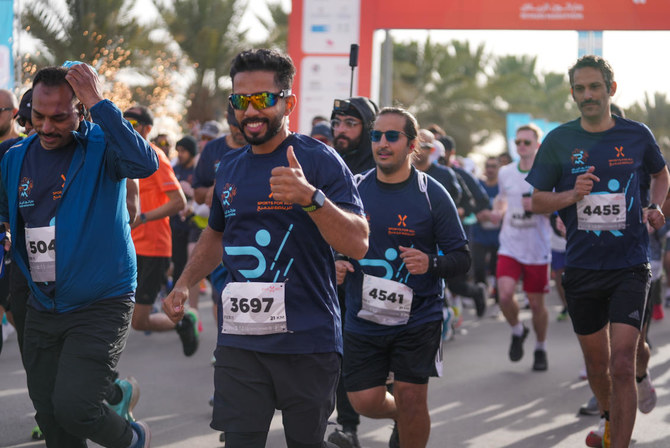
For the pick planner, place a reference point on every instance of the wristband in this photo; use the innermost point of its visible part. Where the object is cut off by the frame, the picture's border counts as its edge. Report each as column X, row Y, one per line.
column 143, row 218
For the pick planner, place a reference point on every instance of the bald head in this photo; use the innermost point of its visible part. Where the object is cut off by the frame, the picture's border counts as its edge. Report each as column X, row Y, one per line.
column 9, row 105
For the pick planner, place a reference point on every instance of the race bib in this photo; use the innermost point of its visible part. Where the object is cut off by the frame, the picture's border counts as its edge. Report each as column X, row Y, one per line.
column 253, row 308
column 41, row 248
column 385, row 302
column 520, row 218
column 602, row 212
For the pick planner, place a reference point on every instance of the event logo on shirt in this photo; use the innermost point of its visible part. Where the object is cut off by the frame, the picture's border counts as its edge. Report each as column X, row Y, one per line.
column 391, row 254
column 401, row 227
column 25, row 187
column 578, row 159
column 263, row 239
column 227, row 195
column 620, row 158
column 272, row 204
column 59, row 193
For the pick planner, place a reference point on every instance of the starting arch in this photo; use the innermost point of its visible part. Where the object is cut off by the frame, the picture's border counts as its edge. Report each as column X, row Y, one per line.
column 321, row 32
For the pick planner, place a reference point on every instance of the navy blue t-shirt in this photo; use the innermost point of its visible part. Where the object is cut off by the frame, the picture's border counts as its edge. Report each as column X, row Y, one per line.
column 269, row 241
column 483, row 234
column 403, row 215
column 208, row 162
column 43, row 175
column 183, row 174
column 624, row 157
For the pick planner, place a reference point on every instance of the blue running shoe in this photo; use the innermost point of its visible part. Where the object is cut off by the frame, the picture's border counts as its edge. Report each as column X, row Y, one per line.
column 131, row 394
column 143, row 434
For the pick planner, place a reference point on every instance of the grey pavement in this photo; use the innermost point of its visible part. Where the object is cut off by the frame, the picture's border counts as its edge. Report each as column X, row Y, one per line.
column 482, row 401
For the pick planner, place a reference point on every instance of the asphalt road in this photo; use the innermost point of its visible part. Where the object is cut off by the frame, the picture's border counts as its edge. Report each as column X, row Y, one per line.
column 483, row 400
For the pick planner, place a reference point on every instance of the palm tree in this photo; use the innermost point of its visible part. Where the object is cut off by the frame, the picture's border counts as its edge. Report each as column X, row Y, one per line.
column 276, row 27
column 207, row 32
column 102, row 33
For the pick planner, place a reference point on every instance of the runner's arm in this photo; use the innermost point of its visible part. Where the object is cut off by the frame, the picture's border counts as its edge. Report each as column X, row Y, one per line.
column 205, row 257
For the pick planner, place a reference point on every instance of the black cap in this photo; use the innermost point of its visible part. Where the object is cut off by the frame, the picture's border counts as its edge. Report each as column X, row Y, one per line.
column 143, row 116
column 189, row 144
column 26, row 105
column 344, row 107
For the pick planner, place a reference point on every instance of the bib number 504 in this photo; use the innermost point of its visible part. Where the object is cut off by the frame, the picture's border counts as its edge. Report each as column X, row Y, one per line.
column 255, row 305
column 41, row 246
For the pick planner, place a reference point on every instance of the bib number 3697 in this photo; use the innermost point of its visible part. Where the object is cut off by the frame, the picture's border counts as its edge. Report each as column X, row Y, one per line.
column 253, row 308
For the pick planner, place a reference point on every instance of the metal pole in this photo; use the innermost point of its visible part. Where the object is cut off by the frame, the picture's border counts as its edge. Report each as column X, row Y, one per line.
column 387, row 71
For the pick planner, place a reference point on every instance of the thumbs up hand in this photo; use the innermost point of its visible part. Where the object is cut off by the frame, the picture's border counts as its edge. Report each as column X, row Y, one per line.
column 288, row 183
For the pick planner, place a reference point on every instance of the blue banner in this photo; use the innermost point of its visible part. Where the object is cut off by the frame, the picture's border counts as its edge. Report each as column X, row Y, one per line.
column 6, row 40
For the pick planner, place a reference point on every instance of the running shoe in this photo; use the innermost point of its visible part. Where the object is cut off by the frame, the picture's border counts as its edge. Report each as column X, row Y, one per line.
column 480, row 299
column 657, row 312
column 516, row 347
column 394, row 441
column 36, row 433
column 344, row 439
column 188, row 332
column 590, row 407
column 594, row 439
column 667, row 302
column 646, row 395
column 143, row 434
column 607, row 437
column 540, row 363
column 130, row 391
column 563, row 315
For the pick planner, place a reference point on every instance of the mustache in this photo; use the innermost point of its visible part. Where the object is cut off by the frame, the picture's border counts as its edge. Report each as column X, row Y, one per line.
column 44, row 134
column 587, row 102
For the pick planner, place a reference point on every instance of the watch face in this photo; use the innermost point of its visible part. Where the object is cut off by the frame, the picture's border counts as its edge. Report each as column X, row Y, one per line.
column 319, row 198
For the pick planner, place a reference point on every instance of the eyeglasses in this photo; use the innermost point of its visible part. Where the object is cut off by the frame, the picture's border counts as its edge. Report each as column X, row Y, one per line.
column 491, row 166
column 260, row 100
column 518, row 142
column 134, row 123
column 349, row 123
column 391, row 136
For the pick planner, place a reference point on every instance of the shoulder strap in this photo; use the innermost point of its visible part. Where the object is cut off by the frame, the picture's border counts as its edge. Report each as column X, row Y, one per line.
column 422, row 179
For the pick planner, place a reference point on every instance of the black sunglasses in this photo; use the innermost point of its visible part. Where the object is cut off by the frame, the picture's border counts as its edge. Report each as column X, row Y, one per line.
column 391, row 136
column 525, row 142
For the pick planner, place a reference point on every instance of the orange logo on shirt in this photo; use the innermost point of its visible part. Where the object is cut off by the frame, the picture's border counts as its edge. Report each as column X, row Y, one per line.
column 401, row 220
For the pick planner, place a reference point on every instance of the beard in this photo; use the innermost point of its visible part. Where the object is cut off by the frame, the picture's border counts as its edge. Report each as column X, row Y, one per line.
column 344, row 144
column 273, row 126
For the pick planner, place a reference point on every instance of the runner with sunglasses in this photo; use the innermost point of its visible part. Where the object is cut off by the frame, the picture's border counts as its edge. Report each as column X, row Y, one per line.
column 281, row 205
column 525, row 249
column 395, row 294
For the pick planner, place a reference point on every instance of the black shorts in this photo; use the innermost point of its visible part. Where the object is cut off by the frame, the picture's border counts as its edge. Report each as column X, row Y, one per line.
column 151, row 276
column 596, row 297
column 409, row 354
column 249, row 386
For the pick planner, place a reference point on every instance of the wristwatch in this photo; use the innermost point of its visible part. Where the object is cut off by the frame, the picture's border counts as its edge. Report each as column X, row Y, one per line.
column 318, row 199
column 143, row 218
column 652, row 206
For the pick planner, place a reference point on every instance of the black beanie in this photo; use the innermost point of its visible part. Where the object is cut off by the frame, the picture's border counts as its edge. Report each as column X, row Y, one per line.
column 189, row 144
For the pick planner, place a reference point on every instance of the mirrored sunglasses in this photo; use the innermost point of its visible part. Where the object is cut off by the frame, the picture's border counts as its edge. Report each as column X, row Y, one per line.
column 260, row 101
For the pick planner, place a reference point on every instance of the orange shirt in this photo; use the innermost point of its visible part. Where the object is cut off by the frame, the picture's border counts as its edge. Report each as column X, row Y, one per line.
column 154, row 239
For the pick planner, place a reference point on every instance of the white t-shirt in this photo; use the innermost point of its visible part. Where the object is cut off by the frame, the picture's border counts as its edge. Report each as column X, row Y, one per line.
column 524, row 236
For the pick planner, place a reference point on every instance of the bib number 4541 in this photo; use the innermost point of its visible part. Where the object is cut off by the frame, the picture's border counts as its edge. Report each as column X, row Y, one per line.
column 381, row 294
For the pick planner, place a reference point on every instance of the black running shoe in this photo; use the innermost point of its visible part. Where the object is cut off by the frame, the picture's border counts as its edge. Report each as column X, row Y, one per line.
column 480, row 299
column 516, row 348
column 344, row 439
column 188, row 332
column 540, row 362
column 394, row 441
